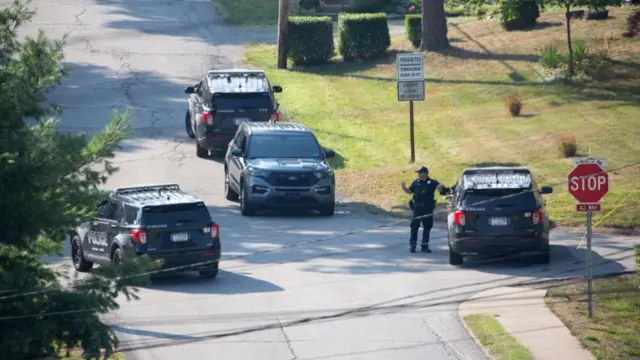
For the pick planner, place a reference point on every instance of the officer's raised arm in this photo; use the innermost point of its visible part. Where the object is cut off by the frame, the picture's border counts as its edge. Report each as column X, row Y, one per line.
column 406, row 189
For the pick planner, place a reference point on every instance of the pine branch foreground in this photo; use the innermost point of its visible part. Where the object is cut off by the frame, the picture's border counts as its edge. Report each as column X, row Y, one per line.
column 49, row 182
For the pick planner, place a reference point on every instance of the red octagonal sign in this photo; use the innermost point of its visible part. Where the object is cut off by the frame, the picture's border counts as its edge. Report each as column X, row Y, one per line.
column 588, row 183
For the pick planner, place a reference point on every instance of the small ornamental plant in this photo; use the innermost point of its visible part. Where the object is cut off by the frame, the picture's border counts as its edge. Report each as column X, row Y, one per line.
column 568, row 146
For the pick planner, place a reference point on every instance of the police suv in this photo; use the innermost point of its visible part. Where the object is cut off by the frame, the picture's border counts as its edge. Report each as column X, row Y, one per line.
column 158, row 220
column 498, row 211
column 222, row 101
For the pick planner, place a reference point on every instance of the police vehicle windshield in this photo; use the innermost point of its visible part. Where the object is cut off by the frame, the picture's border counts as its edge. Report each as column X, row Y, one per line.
column 246, row 101
column 284, row 146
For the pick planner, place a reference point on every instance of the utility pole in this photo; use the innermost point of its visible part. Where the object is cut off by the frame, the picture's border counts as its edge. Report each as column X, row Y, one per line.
column 283, row 20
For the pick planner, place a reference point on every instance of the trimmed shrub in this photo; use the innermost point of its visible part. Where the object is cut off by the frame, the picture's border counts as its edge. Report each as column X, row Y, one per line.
column 518, row 14
column 413, row 29
column 514, row 104
column 568, row 146
column 633, row 24
column 362, row 36
column 310, row 40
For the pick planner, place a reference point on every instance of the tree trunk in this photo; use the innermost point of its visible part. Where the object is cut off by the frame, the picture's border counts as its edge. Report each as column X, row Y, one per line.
column 434, row 26
column 283, row 20
column 568, row 16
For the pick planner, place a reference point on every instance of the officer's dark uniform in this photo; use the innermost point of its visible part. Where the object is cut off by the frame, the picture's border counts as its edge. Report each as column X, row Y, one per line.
column 423, row 204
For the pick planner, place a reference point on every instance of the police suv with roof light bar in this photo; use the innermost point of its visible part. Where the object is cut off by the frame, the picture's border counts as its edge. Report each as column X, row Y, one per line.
column 158, row 220
column 498, row 211
column 223, row 100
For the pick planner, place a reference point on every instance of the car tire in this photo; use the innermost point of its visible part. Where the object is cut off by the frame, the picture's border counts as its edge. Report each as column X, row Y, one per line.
column 328, row 210
column 229, row 194
column 209, row 273
column 455, row 258
column 189, row 126
column 77, row 256
column 117, row 256
column 200, row 151
column 245, row 208
column 542, row 258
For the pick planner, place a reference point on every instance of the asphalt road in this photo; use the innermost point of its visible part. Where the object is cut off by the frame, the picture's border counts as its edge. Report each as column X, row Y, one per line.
column 315, row 295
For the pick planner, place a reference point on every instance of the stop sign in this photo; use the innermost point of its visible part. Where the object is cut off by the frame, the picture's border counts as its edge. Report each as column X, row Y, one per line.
column 588, row 183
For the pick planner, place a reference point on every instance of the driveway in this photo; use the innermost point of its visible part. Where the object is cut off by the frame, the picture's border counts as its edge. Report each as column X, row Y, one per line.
column 293, row 286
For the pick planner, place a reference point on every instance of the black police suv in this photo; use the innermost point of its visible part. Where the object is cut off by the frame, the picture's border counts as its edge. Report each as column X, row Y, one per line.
column 271, row 165
column 225, row 99
column 158, row 220
column 498, row 211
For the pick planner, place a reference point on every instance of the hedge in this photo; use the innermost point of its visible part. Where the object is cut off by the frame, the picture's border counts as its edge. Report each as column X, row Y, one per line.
column 518, row 14
column 413, row 29
column 362, row 36
column 310, row 39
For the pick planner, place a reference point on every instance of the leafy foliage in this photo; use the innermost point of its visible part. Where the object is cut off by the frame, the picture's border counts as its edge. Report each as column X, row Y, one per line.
column 50, row 182
column 633, row 24
column 413, row 29
column 518, row 14
column 568, row 146
column 310, row 40
column 551, row 58
column 363, row 36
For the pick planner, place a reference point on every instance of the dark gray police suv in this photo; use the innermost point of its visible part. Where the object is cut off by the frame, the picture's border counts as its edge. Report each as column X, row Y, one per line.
column 225, row 99
column 275, row 165
column 160, row 221
column 498, row 211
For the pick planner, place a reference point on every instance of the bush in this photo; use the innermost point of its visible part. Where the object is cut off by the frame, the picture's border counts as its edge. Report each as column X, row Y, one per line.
column 633, row 24
column 550, row 58
column 514, row 104
column 518, row 14
column 413, row 29
column 310, row 39
column 309, row 4
column 362, row 36
column 568, row 146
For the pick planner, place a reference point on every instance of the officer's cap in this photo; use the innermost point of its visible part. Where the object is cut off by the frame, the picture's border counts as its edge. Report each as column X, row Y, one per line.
column 423, row 170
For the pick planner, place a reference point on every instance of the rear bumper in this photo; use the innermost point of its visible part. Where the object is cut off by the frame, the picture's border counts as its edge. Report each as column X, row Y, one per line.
column 213, row 141
column 188, row 261
column 497, row 245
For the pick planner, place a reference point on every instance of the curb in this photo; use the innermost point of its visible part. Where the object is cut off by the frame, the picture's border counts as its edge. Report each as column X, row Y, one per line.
column 468, row 330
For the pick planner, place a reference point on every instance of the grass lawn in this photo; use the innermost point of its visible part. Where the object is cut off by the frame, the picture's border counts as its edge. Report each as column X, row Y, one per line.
column 613, row 332
column 353, row 109
column 248, row 12
column 494, row 339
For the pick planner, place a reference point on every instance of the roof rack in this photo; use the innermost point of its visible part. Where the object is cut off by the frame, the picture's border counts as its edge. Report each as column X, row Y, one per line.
column 145, row 188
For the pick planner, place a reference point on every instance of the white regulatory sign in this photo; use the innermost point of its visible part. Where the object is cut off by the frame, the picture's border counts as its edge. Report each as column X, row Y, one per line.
column 411, row 90
column 410, row 67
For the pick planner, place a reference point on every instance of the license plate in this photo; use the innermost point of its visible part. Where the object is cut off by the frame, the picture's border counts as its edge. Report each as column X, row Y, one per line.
column 292, row 197
column 499, row 221
column 180, row 237
column 239, row 121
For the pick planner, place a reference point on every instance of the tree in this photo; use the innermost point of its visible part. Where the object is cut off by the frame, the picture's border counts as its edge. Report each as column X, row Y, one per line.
column 434, row 26
column 597, row 5
column 49, row 182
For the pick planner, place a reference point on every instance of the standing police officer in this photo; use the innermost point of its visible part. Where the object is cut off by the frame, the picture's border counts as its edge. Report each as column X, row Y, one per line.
column 422, row 204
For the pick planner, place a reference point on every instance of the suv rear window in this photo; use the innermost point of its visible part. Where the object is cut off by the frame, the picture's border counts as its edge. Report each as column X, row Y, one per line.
column 237, row 101
column 517, row 199
column 177, row 212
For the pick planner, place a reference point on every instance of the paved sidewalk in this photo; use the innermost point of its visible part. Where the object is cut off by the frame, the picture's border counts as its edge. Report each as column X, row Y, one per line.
column 525, row 316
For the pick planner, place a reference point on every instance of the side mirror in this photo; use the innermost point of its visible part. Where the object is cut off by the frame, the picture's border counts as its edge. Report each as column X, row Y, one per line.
column 102, row 203
column 189, row 90
column 546, row 190
column 236, row 152
column 277, row 89
column 329, row 153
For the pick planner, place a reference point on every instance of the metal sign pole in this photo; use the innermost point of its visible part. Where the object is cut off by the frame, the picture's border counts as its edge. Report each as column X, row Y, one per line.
column 411, row 133
column 589, row 267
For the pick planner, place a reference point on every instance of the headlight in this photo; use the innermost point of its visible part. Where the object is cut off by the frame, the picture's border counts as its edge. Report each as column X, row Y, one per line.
column 260, row 173
column 323, row 174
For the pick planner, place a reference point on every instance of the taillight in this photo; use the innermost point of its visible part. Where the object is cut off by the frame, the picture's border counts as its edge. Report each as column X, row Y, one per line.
column 537, row 217
column 139, row 236
column 458, row 218
column 207, row 118
column 275, row 116
column 214, row 230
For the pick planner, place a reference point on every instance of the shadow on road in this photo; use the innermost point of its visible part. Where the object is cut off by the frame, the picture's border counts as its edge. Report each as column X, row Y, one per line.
column 227, row 283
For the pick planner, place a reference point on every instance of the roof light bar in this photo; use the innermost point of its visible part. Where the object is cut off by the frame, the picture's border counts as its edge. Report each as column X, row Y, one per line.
column 497, row 180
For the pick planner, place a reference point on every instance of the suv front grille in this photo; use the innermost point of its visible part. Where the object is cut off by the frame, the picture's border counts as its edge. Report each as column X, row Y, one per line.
column 292, row 179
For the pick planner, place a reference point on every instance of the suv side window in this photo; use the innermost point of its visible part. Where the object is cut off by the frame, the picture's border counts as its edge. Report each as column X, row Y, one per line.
column 131, row 215
column 241, row 141
column 201, row 85
column 113, row 211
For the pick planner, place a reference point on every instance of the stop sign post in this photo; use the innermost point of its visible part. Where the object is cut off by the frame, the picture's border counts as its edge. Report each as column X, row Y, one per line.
column 588, row 183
